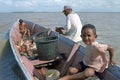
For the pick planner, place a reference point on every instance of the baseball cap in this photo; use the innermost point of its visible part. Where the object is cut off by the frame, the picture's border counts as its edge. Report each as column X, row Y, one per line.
column 67, row 7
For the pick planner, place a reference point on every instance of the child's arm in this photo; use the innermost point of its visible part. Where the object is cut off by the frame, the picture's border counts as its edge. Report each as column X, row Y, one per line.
column 29, row 33
column 111, row 53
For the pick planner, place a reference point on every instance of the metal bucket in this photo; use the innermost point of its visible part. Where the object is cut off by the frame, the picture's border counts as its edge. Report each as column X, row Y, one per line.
column 47, row 47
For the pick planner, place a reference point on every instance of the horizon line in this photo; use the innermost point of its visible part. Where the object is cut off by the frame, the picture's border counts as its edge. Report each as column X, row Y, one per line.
column 59, row 12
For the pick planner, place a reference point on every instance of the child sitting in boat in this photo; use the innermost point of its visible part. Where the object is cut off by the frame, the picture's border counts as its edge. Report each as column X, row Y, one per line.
column 23, row 29
column 94, row 60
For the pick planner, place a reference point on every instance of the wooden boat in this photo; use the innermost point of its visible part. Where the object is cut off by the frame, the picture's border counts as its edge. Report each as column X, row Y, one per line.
column 64, row 46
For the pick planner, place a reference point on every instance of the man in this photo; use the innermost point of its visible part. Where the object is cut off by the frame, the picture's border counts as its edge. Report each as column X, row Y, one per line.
column 72, row 29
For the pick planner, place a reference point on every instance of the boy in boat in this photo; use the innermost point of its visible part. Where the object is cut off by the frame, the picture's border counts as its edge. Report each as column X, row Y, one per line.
column 94, row 60
column 26, row 46
column 23, row 29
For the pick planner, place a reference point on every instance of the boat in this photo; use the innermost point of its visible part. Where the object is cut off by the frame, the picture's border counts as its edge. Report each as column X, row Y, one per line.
column 31, row 67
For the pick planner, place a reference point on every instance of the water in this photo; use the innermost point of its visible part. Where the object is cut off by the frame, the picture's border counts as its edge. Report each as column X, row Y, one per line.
column 107, row 25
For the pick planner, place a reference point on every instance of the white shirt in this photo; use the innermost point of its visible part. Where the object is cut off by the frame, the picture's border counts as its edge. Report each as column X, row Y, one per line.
column 72, row 29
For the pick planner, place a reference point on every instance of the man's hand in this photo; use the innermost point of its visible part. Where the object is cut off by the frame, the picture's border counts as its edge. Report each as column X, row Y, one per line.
column 59, row 30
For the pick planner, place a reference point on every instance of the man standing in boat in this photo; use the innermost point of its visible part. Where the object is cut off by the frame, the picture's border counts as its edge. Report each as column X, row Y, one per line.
column 73, row 26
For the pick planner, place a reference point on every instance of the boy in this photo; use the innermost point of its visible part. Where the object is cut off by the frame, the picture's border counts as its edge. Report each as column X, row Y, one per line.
column 94, row 60
column 23, row 29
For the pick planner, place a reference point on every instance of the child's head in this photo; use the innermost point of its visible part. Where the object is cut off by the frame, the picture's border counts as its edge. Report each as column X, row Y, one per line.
column 20, row 21
column 88, row 34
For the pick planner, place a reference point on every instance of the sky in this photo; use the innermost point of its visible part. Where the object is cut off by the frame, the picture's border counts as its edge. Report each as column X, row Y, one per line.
column 57, row 5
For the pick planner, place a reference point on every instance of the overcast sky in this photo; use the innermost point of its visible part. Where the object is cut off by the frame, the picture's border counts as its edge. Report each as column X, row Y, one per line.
column 57, row 5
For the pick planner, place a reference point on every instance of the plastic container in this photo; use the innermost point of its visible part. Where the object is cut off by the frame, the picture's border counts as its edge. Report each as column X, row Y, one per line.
column 47, row 47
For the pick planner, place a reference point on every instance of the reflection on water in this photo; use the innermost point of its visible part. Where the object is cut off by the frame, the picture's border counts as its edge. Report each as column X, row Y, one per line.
column 18, row 72
column 8, row 68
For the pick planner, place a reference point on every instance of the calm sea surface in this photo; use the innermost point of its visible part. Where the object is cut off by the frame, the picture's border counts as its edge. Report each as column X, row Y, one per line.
column 107, row 25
